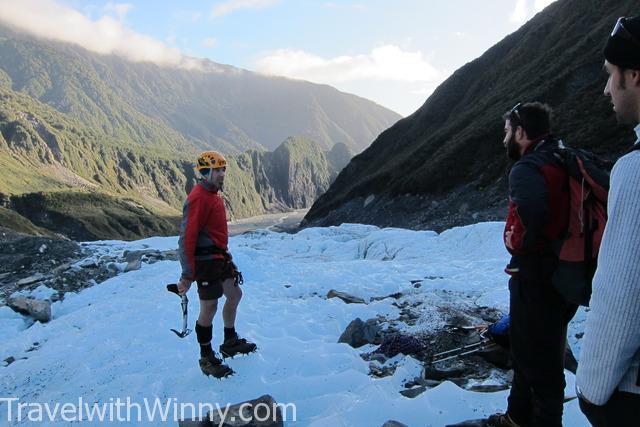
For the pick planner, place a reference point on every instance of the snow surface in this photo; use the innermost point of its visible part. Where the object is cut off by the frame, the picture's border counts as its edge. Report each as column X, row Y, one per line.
column 113, row 340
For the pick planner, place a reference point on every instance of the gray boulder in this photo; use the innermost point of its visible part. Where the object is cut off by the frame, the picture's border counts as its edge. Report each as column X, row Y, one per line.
column 37, row 309
column 260, row 412
column 359, row 333
column 134, row 264
column 38, row 277
column 349, row 299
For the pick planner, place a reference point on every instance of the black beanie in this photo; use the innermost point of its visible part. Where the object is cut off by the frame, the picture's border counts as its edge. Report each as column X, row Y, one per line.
column 621, row 51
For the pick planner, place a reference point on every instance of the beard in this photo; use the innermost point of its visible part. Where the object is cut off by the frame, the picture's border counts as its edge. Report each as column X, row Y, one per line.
column 220, row 184
column 513, row 149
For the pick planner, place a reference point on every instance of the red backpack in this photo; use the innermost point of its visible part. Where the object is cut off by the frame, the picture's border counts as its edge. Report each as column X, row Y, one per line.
column 578, row 249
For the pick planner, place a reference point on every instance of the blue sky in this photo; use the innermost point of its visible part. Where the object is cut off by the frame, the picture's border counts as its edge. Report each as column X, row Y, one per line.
column 392, row 52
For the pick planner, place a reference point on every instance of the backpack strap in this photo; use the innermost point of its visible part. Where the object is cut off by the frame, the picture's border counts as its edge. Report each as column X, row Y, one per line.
column 211, row 250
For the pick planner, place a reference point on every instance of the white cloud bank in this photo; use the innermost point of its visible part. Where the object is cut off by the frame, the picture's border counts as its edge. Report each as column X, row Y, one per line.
column 387, row 62
column 230, row 6
column 107, row 35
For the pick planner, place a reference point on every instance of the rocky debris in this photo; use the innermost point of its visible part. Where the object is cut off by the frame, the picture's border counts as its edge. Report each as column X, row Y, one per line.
column 135, row 264
column 392, row 423
column 496, row 355
column 396, row 295
column 470, row 423
column 359, row 333
column 39, row 310
column 349, row 299
column 88, row 263
column 35, row 346
column 381, row 370
column 461, row 326
column 65, row 266
column 488, row 388
column 409, row 312
column 413, row 392
column 260, row 412
column 38, row 277
column 431, row 373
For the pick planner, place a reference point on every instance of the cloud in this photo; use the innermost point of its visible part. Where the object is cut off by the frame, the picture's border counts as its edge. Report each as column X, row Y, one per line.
column 387, row 62
column 106, row 35
column 519, row 14
column 230, row 6
column 524, row 10
column 119, row 10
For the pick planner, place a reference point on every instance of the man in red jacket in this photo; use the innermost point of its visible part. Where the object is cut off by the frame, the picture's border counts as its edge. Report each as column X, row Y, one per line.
column 538, row 215
column 205, row 258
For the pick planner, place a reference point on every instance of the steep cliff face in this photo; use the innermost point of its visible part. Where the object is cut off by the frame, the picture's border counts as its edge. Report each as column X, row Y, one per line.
column 65, row 178
column 292, row 176
column 445, row 164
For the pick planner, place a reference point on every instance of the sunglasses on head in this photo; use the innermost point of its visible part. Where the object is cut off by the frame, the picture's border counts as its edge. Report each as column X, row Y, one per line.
column 515, row 111
column 620, row 31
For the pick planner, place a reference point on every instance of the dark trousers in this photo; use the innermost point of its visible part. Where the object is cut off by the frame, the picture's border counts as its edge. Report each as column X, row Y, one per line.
column 538, row 334
column 622, row 410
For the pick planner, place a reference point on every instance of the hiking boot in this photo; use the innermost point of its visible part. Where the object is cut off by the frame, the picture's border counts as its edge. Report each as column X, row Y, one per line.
column 501, row 420
column 211, row 365
column 236, row 345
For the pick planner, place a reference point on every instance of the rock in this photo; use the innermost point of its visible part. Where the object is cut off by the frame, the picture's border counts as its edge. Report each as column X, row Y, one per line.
column 61, row 268
column 132, row 265
column 9, row 360
column 392, row 423
column 470, row 423
column 134, row 255
column 38, row 277
column 396, row 295
column 42, row 248
column 431, row 373
column 496, row 355
column 170, row 255
column 379, row 357
column 429, row 383
column 359, row 333
column 413, row 392
column 349, row 299
column 260, row 412
column 489, row 388
column 380, row 371
column 38, row 309
column 88, row 263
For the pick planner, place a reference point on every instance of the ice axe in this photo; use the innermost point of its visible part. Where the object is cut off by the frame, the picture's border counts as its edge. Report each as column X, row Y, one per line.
column 184, row 304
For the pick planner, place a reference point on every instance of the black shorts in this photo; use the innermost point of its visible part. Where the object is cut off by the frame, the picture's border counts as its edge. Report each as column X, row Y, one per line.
column 210, row 275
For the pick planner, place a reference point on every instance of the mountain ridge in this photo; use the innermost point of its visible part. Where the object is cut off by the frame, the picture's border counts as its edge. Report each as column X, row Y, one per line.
column 445, row 165
column 77, row 124
column 233, row 110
